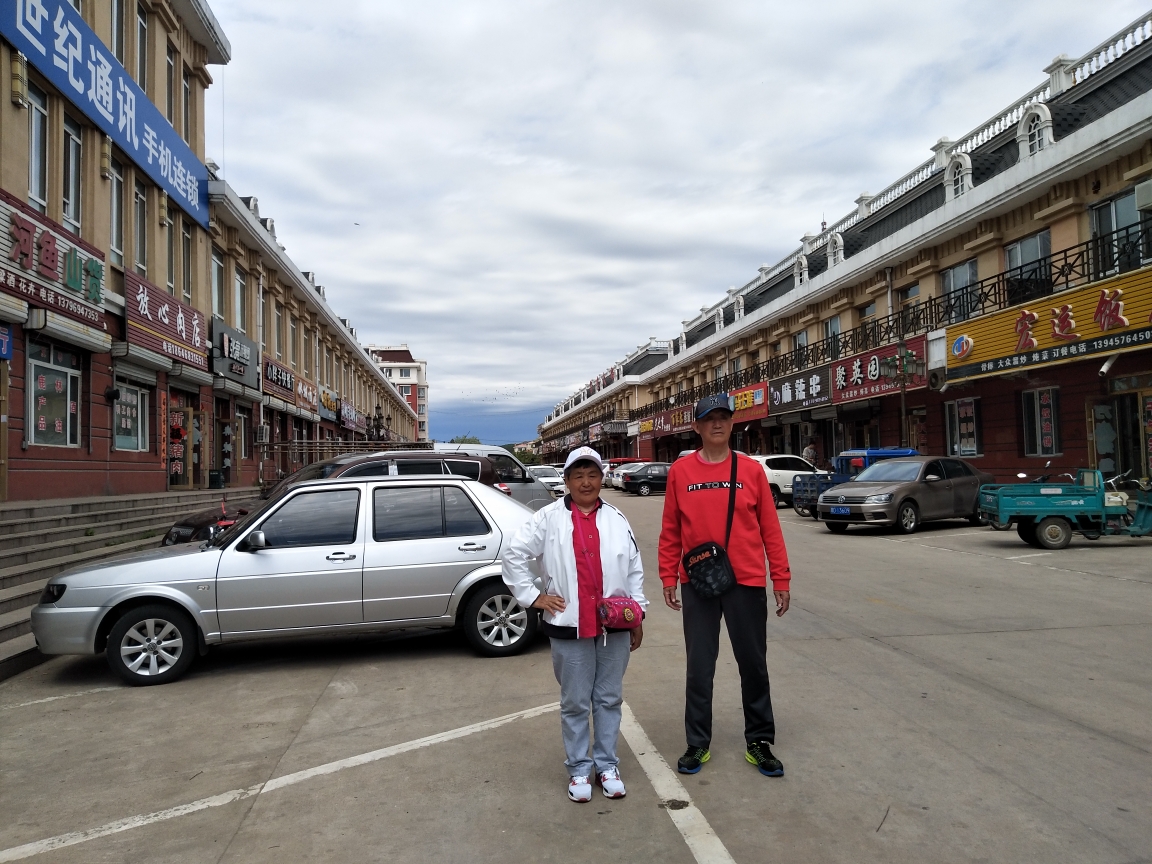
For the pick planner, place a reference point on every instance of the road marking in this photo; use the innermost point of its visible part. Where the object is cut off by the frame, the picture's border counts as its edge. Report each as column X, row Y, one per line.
column 1032, row 555
column 702, row 841
column 54, row 698
column 38, row 847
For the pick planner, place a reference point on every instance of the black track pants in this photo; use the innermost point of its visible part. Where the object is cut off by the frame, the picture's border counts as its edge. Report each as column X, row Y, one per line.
column 745, row 611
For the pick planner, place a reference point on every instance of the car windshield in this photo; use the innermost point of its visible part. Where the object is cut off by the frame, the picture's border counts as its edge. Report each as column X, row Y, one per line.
column 543, row 471
column 225, row 537
column 891, row 472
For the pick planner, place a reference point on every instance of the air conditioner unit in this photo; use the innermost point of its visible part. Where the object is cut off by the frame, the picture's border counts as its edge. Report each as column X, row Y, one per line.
column 264, row 434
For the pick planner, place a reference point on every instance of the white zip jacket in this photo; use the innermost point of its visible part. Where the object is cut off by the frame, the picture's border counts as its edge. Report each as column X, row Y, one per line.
column 547, row 537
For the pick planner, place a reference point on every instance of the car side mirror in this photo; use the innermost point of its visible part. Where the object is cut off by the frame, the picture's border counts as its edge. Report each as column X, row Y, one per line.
column 932, row 478
column 255, row 541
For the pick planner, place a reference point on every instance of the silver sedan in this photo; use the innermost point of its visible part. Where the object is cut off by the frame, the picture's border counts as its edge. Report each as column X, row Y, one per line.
column 329, row 556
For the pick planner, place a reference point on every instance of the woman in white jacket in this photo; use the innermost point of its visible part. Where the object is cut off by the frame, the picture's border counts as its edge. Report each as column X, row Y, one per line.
column 586, row 551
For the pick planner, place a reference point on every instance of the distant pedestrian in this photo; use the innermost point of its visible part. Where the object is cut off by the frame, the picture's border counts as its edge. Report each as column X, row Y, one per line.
column 593, row 603
column 701, row 512
column 809, row 453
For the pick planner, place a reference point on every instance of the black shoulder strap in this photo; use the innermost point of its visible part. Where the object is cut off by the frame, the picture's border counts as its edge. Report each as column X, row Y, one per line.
column 731, row 501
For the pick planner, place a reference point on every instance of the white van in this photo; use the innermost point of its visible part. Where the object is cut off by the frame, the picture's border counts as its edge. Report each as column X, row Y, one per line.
column 520, row 484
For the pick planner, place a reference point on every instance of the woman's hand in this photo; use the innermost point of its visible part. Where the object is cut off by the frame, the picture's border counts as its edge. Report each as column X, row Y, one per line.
column 550, row 603
column 635, row 637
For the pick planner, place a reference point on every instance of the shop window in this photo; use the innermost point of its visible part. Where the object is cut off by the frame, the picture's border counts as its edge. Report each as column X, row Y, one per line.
column 957, row 286
column 1042, row 422
column 54, row 396
column 186, row 261
column 240, row 299
column 37, row 148
column 186, row 101
column 962, row 425
column 170, row 88
column 118, row 29
column 140, row 206
column 116, row 232
column 130, row 417
column 142, row 48
column 72, row 175
column 218, row 304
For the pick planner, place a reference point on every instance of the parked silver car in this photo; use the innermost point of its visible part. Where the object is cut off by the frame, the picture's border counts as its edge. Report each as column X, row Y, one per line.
column 552, row 478
column 614, row 478
column 326, row 556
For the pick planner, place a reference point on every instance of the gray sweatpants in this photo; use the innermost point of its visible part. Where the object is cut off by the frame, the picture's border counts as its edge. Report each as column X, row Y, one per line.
column 591, row 676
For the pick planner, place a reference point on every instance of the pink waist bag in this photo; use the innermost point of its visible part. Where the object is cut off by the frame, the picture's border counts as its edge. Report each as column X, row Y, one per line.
column 619, row 613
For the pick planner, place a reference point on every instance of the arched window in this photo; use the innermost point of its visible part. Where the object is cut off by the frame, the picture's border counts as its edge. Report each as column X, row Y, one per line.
column 958, row 184
column 1035, row 134
column 959, row 176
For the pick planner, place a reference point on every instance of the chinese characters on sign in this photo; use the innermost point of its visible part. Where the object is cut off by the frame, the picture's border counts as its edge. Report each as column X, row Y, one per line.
column 800, row 390
column 329, row 404
column 279, row 381
column 161, row 323
column 65, row 50
column 750, row 403
column 234, row 356
column 859, row 376
column 966, row 426
column 47, row 268
column 307, row 396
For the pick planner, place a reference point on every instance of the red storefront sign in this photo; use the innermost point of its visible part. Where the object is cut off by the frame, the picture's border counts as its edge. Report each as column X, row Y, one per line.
column 750, row 403
column 307, row 396
column 161, row 323
column 47, row 267
column 279, row 381
column 859, row 376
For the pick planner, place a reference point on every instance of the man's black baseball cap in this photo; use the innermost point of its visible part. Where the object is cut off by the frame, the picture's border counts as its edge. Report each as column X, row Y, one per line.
column 721, row 402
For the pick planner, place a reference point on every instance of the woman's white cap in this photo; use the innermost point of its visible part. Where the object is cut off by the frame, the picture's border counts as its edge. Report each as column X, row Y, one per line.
column 583, row 453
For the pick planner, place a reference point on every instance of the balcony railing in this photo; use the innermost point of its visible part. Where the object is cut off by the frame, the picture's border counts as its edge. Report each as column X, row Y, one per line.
column 1099, row 258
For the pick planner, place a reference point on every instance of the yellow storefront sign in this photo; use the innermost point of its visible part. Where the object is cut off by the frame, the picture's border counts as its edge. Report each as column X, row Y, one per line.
column 1104, row 318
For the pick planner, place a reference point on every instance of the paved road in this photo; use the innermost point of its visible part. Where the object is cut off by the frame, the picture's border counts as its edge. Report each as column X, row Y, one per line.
column 954, row 696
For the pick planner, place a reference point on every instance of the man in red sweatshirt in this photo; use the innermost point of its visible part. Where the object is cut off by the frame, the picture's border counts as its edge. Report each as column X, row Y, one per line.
column 695, row 512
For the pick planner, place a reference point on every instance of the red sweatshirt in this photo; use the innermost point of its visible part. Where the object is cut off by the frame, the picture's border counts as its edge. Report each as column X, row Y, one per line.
column 696, row 509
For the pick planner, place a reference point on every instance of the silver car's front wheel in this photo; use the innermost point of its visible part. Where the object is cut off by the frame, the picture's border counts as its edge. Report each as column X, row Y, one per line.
column 496, row 624
column 151, row 645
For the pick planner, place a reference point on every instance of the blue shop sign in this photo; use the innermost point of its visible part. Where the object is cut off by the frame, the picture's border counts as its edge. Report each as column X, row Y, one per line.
column 63, row 49
column 5, row 342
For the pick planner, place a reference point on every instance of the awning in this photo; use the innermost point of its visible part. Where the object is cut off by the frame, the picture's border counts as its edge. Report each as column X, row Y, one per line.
column 67, row 330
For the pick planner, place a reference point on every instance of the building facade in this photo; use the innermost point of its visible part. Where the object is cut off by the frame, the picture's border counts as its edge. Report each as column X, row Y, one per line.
column 130, row 292
column 1009, row 272
column 410, row 376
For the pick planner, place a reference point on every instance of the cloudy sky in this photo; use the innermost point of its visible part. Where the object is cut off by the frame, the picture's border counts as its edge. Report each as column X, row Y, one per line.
column 523, row 192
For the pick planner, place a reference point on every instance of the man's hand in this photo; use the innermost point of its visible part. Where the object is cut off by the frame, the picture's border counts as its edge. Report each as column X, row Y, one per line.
column 782, row 602
column 550, row 603
column 636, row 637
column 670, row 598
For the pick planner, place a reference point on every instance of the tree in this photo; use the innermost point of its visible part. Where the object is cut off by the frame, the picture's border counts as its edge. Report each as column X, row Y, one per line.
column 465, row 439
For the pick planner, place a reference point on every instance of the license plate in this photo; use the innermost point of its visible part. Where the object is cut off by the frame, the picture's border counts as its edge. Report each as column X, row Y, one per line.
column 841, row 511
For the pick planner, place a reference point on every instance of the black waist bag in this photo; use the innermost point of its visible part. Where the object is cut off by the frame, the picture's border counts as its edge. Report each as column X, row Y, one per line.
column 709, row 570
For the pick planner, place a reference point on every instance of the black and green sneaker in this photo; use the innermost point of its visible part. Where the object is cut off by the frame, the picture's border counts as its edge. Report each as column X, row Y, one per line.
column 760, row 755
column 693, row 758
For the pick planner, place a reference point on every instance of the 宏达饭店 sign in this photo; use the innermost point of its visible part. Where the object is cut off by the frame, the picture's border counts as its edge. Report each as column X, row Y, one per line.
column 1104, row 318
column 860, row 376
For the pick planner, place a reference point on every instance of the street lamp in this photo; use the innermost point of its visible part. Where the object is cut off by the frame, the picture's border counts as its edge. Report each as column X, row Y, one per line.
column 901, row 369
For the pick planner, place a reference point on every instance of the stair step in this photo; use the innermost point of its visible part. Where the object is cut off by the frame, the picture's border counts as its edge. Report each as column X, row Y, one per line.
column 15, row 515
column 25, row 573
column 19, row 654
column 43, row 551
column 21, row 596
column 16, row 623
column 13, row 543
column 119, row 507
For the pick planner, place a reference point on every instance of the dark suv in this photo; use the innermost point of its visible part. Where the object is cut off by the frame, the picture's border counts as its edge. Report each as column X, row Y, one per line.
column 398, row 462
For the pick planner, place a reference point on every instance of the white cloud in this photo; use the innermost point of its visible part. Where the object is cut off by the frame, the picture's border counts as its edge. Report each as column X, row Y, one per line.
column 541, row 186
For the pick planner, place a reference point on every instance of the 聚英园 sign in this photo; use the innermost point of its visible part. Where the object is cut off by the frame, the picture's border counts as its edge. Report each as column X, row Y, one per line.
column 48, row 267
column 64, row 49
column 161, row 323
column 860, row 376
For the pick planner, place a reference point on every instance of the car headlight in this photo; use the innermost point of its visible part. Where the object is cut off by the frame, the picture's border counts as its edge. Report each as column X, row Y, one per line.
column 886, row 498
column 52, row 593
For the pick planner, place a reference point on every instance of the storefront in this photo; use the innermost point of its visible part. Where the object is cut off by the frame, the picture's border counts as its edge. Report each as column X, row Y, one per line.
column 279, row 385
column 863, row 397
column 56, row 377
column 329, row 411
column 227, row 436
column 801, row 411
column 750, row 409
column 1066, row 379
column 673, row 434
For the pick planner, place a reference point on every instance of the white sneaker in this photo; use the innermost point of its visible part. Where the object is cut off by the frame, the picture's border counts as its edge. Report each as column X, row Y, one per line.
column 579, row 790
column 611, row 783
